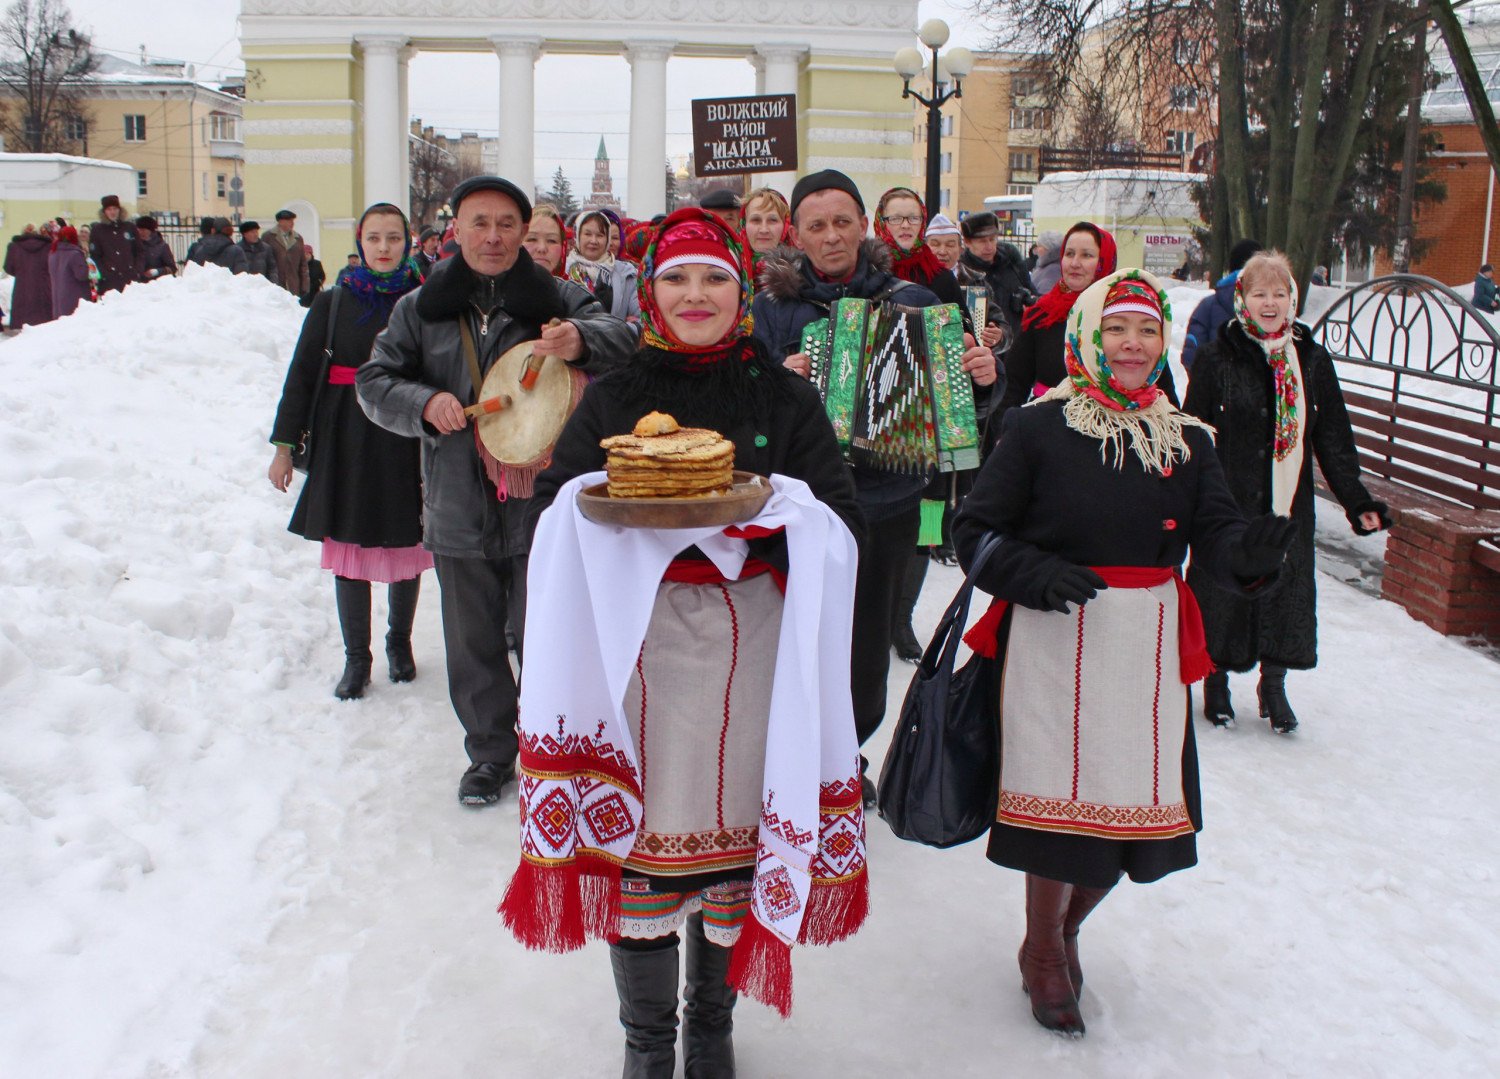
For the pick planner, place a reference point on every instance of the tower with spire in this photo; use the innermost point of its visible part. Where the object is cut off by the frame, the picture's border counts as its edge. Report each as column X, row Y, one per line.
column 603, row 194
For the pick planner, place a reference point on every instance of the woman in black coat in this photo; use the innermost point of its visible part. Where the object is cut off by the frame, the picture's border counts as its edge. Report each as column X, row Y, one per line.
column 1097, row 493
column 363, row 495
column 1262, row 438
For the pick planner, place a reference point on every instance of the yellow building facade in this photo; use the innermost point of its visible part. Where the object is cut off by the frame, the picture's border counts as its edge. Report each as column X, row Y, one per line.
column 327, row 114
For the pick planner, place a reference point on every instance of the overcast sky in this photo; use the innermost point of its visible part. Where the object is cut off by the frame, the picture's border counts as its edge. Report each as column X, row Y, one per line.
column 579, row 98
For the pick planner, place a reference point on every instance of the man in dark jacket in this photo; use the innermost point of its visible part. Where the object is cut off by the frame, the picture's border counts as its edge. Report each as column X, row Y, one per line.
column 315, row 277
column 156, row 253
column 113, row 245
column 1485, row 297
column 1218, row 309
column 205, row 230
column 259, row 257
column 219, row 248
column 828, row 228
column 1000, row 264
column 426, row 255
column 417, row 382
column 290, row 252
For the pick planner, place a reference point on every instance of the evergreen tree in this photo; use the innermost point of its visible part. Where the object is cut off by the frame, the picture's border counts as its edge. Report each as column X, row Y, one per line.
column 561, row 195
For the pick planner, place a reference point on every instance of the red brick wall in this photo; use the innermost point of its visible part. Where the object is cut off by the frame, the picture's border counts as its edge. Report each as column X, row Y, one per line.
column 1456, row 225
column 1430, row 570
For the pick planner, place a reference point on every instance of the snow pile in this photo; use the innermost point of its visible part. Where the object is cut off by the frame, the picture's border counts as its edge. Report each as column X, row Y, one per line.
column 213, row 869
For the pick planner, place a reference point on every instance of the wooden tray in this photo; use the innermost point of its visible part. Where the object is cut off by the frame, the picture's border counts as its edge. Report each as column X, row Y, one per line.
column 745, row 499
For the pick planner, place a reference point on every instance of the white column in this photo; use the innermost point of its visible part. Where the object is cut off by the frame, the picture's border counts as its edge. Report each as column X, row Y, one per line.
column 383, row 129
column 758, row 62
column 782, row 67
column 404, row 82
column 518, row 109
column 648, row 127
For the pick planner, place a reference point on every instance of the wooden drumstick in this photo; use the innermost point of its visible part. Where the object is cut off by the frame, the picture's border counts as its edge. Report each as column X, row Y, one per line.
column 486, row 407
column 534, row 362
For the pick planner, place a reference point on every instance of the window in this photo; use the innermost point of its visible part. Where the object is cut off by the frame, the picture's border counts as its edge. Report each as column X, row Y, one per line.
column 1184, row 52
column 205, row 185
column 947, row 127
column 1024, row 86
column 75, row 129
column 945, row 198
column 221, row 185
column 1029, row 119
column 1022, row 162
column 1181, row 142
column 1185, row 98
column 947, row 162
column 224, row 127
column 135, row 128
column 140, row 183
column 1019, row 189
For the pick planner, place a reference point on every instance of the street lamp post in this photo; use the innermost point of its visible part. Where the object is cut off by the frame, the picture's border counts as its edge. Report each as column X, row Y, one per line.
column 909, row 63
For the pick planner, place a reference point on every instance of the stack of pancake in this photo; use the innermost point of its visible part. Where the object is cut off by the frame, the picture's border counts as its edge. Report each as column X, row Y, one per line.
column 659, row 459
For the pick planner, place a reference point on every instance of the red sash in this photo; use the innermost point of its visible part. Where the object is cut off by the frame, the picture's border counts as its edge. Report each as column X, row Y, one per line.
column 702, row 571
column 341, row 375
column 1192, row 644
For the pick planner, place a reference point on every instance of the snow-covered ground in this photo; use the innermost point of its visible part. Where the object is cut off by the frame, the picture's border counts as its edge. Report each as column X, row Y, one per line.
column 212, row 868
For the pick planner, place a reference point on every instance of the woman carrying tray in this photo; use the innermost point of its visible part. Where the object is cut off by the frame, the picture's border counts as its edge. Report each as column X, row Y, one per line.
column 723, row 743
column 1098, row 491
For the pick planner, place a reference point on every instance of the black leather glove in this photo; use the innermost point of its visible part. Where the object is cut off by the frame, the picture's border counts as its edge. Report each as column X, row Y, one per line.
column 1369, row 507
column 1070, row 584
column 1263, row 547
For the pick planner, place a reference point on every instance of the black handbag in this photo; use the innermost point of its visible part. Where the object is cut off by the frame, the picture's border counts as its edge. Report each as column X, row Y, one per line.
column 940, row 783
column 302, row 451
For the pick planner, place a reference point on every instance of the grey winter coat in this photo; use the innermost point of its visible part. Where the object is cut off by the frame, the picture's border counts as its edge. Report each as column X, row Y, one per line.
column 1048, row 271
column 260, row 259
column 420, row 354
column 219, row 250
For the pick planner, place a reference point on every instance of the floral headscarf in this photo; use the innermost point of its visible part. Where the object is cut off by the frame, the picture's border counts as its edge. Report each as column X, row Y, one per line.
column 706, row 227
column 1280, row 347
column 1095, row 405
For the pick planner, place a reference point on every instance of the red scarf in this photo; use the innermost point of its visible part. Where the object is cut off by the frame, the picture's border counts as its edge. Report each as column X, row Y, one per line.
column 1055, row 305
column 919, row 265
column 1192, row 644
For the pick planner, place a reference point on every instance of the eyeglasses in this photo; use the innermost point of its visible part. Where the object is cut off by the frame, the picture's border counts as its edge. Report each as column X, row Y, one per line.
column 903, row 219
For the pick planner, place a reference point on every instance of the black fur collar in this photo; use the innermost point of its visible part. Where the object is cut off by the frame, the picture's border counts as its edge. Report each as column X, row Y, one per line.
column 781, row 272
column 528, row 293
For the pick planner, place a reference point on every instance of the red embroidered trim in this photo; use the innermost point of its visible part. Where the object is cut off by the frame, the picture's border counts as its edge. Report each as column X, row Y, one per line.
column 734, row 659
column 1156, row 714
column 1077, row 697
column 640, row 673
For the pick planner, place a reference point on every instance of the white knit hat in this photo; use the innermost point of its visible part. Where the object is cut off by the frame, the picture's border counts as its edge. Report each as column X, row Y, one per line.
column 942, row 225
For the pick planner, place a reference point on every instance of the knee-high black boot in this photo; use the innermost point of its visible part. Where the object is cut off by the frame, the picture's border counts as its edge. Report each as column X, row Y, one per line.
column 708, row 1009
column 1273, row 703
column 646, row 981
column 903, row 638
column 403, row 600
column 353, row 599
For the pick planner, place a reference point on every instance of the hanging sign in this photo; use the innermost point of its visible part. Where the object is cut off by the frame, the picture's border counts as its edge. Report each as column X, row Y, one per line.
column 734, row 135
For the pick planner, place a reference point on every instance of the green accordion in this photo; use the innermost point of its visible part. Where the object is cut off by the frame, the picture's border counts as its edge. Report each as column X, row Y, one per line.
column 893, row 383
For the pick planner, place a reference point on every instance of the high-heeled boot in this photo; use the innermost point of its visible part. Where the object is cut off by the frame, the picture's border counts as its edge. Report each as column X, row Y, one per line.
column 353, row 600
column 1273, row 703
column 646, row 981
column 708, row 1007
column 1043, row 960
column 1080, row 905
column 403, row 602
column 903, row 637
column 1216, row 707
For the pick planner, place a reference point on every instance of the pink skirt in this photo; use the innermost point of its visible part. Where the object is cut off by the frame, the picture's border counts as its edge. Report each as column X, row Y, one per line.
column 383, row 564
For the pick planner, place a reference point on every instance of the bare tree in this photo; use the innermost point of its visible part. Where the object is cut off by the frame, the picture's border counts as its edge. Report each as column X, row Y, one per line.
column 1295, row 83
column 434, row 173
column 43, row 61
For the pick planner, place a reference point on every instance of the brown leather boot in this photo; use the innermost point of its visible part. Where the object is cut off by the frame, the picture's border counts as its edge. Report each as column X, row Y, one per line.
column 1044, row 963
column 1083, row 902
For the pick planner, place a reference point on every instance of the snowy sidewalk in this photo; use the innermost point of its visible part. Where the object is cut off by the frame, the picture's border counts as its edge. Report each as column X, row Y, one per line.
column 212, row 868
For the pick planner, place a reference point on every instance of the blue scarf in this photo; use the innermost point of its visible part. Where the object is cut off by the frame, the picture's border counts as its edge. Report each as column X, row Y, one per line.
column 377, row 293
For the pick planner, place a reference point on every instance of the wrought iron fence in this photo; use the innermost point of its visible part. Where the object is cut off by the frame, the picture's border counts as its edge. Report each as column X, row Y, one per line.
column 1420, row 367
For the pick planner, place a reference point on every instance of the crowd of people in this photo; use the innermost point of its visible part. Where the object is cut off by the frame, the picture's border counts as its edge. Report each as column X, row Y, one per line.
column 57, row 265
column 743, row 835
